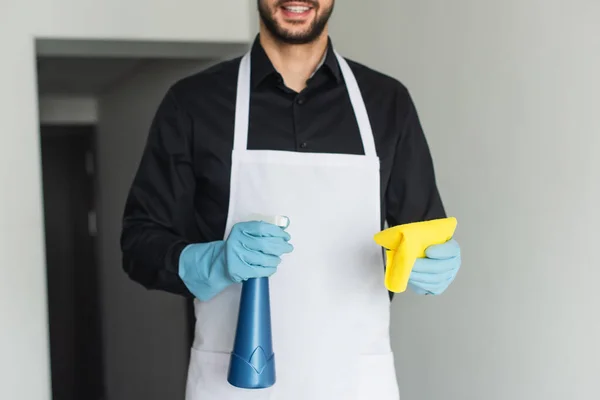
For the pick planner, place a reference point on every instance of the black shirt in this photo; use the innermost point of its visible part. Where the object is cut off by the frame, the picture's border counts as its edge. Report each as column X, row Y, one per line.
column 180, row 193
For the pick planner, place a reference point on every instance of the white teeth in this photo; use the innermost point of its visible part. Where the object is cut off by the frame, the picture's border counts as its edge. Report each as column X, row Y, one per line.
column 297, row 9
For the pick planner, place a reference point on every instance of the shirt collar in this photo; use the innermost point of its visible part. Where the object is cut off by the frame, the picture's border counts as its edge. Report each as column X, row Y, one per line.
column 263, row 68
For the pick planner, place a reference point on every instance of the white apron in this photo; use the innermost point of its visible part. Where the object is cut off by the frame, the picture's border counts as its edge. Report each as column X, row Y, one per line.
column 330, row 310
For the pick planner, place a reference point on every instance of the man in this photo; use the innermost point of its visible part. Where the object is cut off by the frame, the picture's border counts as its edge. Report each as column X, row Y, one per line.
column 294, row 129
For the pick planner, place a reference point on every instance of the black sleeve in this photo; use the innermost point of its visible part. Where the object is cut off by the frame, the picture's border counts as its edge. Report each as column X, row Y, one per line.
column 159, row 200
column 412, row 194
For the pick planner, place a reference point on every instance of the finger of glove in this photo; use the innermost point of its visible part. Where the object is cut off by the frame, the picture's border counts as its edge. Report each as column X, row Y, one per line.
column 449, row 249
column 432, row 278
column 433, row 266
column 433, row 288
column 417, row 289
column 273, row 246
column 256, row 259
column 263, row 229
column 258, row 272
column 241, row 275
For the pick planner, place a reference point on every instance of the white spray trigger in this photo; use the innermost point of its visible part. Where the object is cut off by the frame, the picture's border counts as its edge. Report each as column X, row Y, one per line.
column 279, row 220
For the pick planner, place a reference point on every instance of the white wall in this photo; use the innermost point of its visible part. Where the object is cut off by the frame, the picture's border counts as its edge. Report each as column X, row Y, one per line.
column 508, row 92
column 24, row 365
column 184, row 20
column 24, row 369
column 144, row 331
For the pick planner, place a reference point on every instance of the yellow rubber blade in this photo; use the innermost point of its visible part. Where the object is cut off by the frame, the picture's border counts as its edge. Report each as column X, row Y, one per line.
column 405, row 243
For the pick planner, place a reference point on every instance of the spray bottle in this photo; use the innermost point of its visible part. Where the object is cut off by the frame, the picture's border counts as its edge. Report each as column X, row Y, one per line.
column 252, row 362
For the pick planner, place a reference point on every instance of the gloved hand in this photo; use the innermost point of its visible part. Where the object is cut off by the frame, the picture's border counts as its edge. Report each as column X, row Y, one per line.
column 252, row 250
column 434, row 273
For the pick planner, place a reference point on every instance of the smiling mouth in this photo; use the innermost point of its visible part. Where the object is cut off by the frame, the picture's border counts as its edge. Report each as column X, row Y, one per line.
column 296, row 9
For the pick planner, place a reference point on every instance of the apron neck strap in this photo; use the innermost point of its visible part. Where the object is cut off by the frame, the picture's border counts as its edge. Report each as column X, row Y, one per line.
column 242, row 106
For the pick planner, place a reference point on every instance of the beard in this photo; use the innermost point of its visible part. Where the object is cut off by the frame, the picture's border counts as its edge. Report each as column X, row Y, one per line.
column 284, row 35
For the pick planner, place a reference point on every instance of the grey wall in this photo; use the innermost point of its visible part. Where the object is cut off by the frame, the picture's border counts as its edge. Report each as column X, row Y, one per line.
column 508, row 93
column 144, row 331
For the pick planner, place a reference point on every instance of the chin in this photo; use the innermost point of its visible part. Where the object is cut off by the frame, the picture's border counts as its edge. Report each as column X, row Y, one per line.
column 295, row 32
column 295, row 26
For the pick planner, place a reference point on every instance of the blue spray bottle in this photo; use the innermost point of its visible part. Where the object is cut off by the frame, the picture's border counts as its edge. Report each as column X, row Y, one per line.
column 252, row 362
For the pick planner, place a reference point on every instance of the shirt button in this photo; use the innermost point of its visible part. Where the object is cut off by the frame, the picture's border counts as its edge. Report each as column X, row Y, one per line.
column 300, row 100
column 303, row 145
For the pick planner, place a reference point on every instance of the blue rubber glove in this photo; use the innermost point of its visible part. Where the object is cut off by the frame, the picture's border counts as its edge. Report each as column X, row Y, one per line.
column 252, row 250
column 434, row 273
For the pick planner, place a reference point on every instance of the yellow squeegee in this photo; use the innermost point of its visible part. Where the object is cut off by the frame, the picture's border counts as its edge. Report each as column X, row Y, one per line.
column 403, row 244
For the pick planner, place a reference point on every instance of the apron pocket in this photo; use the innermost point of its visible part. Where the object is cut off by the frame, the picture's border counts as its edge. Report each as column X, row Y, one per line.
column 207, row 379
column 377, row 377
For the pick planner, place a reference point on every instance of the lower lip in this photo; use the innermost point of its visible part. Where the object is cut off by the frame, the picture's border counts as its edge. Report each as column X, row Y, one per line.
column 294, row 15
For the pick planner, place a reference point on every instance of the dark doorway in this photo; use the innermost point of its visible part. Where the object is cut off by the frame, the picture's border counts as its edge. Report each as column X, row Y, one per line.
column 73, row 292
